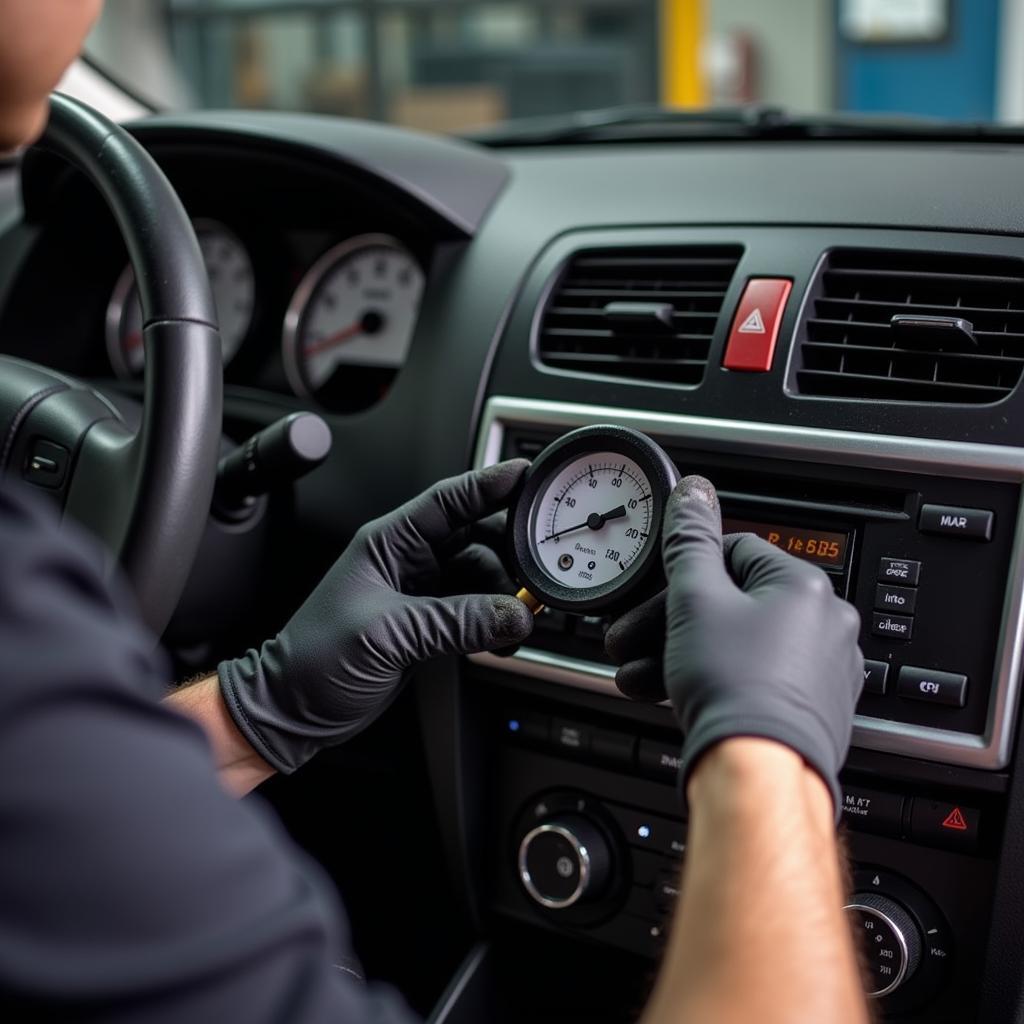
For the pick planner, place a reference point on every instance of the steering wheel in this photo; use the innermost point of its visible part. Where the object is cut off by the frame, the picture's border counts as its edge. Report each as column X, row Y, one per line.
column 145, row 494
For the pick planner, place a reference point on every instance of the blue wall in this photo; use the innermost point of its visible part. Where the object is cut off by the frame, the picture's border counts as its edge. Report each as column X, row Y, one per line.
column 955, row 78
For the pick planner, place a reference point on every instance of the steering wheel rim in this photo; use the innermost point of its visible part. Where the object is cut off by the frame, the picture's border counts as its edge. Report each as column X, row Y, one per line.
column 146, row 495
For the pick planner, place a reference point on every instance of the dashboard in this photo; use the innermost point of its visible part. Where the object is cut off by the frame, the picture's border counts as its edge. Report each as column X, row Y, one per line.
column 832, row 332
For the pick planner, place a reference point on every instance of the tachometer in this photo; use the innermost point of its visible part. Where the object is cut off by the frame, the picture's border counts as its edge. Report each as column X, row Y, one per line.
column 234, row 291
column 585, row 530
column 356, row 307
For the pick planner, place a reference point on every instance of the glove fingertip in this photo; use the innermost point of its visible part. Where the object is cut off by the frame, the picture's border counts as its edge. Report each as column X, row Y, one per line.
column 513, row 621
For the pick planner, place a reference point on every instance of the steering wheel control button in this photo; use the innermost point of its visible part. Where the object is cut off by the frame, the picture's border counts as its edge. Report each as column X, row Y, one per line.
column 563, row 861
column 895, row 599
column 954, row 826
column 948, row 688
column 950, row 521
column 871, row 810
column 875, row 675
column 661, row 759
column 890, row 941
column 755, row 325
column 899, row 570
column 892, row 627
column 47, row 465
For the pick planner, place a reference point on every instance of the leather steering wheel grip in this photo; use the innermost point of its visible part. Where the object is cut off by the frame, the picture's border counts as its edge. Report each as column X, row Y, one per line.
column 148, row 495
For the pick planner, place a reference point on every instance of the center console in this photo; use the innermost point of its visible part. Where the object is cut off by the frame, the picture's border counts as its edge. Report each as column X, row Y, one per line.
column 586, row 835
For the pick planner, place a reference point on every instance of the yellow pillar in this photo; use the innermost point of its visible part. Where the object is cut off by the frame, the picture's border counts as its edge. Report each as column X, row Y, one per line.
column 681, row 34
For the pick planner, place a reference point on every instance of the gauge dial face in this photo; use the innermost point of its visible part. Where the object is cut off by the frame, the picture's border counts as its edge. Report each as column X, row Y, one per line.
column 592, row 520
column 232, row 279
column 357, row 306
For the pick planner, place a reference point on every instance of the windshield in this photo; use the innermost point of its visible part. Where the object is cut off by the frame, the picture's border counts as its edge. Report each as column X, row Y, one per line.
column 461, row 65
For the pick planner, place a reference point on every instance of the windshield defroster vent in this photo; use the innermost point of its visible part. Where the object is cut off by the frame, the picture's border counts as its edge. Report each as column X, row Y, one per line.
column 645, row 314
column 913, row 327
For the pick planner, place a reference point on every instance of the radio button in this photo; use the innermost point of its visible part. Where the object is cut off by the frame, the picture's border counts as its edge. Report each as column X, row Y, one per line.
column 895, row 599
column 948, row 688
column 899, row 570
column 972, row 523
column 875, row 675
column 892, row 627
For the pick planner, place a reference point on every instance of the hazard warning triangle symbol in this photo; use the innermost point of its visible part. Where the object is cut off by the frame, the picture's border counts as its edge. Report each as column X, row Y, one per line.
column 754, row 324
column 955, row 820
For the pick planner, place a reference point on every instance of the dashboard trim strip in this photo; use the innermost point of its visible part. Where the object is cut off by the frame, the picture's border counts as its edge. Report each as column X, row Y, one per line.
column 990, row 750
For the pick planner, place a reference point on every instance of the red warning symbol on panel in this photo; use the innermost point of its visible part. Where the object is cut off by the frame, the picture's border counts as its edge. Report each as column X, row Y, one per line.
column 955, row 820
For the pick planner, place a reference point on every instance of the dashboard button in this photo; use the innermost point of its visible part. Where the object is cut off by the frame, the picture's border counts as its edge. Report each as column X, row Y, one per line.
column 892, row 627
column 948, row 688
column 663, row 759
column 871, row 810
column 528, row 725
column 571, row 736
column 755, row 325
column 951, row 825
column 650, row 831
column 895, row 599
column 875, row 675
column 899, row 570
column 950, row 521
column 552, row 621
column 613, row 746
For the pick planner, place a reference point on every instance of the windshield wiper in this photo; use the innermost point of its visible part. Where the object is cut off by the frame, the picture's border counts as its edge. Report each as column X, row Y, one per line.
column 650, row 123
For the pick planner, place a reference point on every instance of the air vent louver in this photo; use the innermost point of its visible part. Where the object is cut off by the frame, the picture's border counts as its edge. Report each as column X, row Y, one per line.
column 849, row 346
column 645, row 314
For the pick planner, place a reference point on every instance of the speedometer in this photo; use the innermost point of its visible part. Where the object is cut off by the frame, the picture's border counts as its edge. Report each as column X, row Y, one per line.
column 585, row 530
column 355, row 309
column 232, row 280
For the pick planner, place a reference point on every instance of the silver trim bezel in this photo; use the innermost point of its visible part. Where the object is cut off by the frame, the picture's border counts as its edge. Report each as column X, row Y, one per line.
column 582, row 856
column 988, row 750
column 901, row 941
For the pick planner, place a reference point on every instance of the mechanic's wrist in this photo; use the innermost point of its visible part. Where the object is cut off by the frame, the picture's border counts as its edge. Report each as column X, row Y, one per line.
column 746, row 772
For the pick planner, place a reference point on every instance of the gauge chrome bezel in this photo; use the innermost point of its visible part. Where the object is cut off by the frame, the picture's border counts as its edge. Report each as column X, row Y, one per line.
column 617, row 592
column 123, row 288
column 298, row 306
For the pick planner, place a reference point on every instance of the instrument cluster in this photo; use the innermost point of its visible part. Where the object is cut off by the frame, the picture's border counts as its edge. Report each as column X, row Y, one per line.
column 336, row 332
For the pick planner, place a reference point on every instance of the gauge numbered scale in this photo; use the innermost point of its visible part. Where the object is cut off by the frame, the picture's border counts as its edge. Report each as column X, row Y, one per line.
column 585, row 531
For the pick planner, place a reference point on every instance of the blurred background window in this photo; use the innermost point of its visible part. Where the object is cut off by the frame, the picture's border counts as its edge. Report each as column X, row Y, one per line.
column 455, row 65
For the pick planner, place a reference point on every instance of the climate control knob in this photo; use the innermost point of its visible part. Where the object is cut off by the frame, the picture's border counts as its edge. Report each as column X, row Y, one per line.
column 564, row 861
column 891, row 941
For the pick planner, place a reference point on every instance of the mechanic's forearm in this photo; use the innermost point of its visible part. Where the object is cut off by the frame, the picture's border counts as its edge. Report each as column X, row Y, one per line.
column 239, row 767
column 760, row 934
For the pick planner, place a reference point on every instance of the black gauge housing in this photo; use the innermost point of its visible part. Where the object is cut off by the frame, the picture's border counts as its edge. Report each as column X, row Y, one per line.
column 644, row 575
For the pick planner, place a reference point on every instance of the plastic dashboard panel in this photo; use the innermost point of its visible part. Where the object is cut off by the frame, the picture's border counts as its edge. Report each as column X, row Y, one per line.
column 990, row 749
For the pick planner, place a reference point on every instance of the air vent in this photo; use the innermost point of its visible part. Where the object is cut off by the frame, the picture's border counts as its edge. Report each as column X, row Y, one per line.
column 645, row 314
column 913, row 327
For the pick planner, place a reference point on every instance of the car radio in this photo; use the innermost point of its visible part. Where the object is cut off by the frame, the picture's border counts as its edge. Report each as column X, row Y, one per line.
column 928, row 560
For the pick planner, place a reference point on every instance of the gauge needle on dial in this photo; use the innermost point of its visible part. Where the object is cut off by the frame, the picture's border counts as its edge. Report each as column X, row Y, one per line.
column 595, row 521
column 322, row 344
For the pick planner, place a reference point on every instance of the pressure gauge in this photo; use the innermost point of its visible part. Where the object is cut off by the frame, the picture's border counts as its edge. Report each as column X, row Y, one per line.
column 585, row 531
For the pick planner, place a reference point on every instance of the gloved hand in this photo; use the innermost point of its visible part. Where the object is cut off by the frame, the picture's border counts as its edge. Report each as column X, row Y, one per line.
column 340, row 661
column 755, row 642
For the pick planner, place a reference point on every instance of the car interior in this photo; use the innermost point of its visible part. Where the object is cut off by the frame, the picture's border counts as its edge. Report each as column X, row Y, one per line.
column 822, row 313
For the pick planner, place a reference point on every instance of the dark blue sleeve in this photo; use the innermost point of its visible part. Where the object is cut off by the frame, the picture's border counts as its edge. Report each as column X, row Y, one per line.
column 132, row 887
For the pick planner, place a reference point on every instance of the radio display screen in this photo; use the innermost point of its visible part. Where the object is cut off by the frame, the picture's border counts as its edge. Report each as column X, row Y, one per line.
column 821, row 547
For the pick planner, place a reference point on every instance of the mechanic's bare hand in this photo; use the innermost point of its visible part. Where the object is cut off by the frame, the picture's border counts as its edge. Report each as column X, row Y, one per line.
column 379, row 611
column 756, row 642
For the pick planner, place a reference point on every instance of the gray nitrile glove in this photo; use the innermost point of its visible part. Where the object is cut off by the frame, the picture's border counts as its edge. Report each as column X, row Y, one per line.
column 756, row 642
column 340, row 661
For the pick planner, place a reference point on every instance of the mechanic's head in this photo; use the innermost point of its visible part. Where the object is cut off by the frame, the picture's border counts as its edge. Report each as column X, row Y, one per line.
column 38, row 41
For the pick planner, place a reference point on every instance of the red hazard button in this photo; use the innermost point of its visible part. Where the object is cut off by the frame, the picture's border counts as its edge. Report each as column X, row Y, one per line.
column 755, row 326
column 944, row 824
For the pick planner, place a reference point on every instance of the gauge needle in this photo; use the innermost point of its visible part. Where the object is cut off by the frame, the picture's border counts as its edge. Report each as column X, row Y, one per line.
column 595, row 521
column 334, row 339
